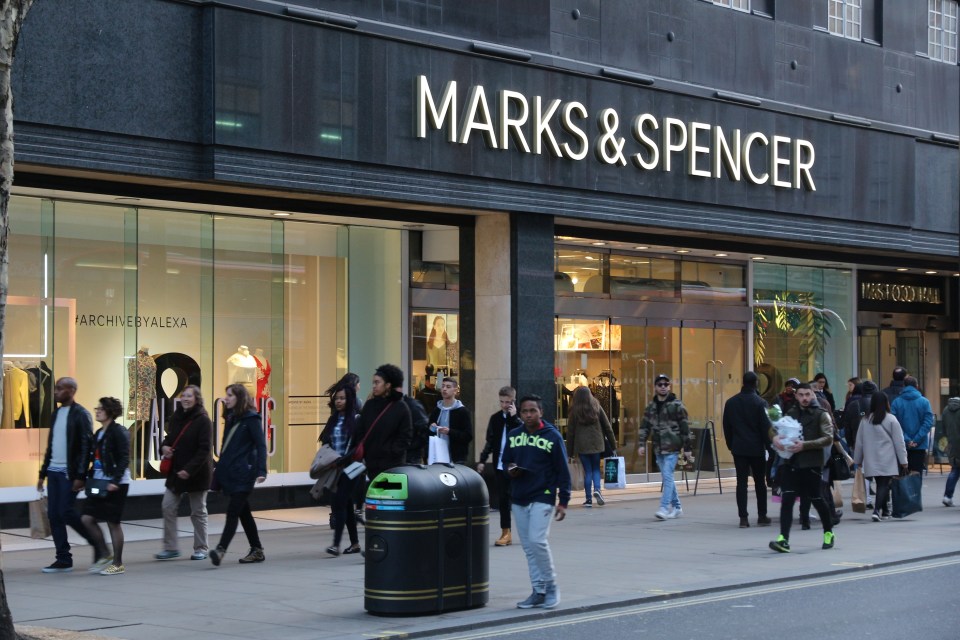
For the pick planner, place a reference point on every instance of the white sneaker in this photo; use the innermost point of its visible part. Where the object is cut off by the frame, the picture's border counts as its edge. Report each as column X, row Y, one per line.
column 675, row 512
column 662, row 514
column 947, row 502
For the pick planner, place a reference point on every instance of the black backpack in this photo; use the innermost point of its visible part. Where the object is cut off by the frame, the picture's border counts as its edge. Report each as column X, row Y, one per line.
column 421, row 430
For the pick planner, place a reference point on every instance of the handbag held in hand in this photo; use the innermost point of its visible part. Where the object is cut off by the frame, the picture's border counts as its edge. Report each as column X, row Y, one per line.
column 39, row 520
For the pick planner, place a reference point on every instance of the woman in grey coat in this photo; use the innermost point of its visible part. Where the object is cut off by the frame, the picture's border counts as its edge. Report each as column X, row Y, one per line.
column 587, row 425
column 881, row 450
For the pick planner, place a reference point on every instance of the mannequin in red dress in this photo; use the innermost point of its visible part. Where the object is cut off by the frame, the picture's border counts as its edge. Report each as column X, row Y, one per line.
column 263, row 375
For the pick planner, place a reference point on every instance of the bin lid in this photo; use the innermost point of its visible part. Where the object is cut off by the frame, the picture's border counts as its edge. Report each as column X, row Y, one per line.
column 427, row 487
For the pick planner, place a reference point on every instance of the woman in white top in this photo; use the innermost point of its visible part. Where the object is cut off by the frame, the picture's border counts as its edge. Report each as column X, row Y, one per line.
column 881, row 450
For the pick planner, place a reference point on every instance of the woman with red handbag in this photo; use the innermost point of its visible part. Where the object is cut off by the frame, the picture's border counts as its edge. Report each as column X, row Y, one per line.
column 385, row 427
column 186, row 463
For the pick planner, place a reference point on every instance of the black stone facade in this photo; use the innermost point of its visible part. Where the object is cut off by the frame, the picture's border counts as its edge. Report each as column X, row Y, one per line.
column 243, row 93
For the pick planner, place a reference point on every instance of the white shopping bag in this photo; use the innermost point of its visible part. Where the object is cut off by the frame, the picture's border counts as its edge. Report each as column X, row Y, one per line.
column 615, row 473
column 439, row 450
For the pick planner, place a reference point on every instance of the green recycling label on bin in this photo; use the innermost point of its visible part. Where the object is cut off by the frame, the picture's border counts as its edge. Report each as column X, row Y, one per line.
column 389, row 486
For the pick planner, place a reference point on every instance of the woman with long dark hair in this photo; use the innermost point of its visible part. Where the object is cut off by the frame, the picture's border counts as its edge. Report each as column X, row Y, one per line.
column 881, row 450
column 338, row 433
column 111, row 462
column 243, row 463
column 188, row 446
column 437, row 343
column 587, row 425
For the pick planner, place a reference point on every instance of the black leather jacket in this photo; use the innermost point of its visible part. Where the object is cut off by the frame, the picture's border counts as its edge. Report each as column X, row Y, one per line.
column 79, row 442
column 114, row 452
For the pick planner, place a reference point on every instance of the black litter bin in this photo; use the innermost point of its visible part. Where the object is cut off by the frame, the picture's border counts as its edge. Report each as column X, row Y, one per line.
column 427, row 537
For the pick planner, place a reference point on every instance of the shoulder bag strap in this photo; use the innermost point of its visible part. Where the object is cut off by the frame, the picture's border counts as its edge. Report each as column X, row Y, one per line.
column 229, row 438
column 370, row 430
column 180, row 435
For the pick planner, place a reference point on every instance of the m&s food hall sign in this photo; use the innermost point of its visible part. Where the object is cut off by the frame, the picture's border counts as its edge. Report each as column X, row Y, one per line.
column 644, row 141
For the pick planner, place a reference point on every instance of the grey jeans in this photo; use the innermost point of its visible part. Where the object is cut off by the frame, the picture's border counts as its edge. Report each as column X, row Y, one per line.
column 532, row 523
column 198, row 514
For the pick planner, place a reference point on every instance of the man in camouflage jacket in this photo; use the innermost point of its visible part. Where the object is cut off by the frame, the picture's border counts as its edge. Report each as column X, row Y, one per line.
column 665, row 421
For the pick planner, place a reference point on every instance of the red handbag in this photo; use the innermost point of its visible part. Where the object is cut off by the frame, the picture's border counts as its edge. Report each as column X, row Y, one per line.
column 166, row 464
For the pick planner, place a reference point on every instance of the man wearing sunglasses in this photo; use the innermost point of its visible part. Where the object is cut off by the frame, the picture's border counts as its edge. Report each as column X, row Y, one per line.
column 665, row 422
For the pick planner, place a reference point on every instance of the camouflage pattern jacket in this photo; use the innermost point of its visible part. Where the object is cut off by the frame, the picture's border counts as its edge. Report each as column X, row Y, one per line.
column 666, row 423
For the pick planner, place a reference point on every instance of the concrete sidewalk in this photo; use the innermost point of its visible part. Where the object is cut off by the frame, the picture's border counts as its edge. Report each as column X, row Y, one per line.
column 604, row 555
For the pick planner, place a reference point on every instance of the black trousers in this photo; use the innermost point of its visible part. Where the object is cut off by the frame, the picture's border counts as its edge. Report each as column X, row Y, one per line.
column 503, row 495
column 748, row 466
column 795, row 483
column 238, row 510
column 917, row 460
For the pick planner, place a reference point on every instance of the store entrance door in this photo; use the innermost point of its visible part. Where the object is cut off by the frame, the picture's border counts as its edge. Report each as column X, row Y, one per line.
column 881, row 350
column 711, row 369
column 704, row 360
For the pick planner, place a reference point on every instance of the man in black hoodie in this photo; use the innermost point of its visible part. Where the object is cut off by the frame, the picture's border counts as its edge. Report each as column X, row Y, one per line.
column 746, row 429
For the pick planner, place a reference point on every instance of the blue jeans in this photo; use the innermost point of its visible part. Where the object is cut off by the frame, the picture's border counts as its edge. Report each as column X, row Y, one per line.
column 667, row 463
column 60, row 509
column 952, row 481
column 591, row 473
column 532, row 523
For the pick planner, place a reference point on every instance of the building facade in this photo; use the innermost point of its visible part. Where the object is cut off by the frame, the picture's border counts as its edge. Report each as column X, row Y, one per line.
column 543, row 194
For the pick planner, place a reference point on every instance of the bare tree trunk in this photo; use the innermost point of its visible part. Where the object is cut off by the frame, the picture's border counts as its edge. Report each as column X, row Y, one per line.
column 12, row 14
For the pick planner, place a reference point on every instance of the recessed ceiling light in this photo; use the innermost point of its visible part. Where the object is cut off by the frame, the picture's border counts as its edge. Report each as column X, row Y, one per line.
column 758, row 258
column 641, row 247
column 902, row 269
column 719, row 255
column 281, row 214
column 930, row 273
column 598, row 244
column 682, row 251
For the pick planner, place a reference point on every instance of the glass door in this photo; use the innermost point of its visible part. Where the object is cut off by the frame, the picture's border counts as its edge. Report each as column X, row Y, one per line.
column 712, row 368
column 646, row 351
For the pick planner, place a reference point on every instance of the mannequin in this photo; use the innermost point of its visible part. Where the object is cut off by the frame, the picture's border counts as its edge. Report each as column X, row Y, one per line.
column 263, row 375
column 142, row 375
column 242, row 368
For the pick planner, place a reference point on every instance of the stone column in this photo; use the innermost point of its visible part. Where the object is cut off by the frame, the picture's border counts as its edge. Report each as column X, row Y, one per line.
column 492, row 318
column 532, row 312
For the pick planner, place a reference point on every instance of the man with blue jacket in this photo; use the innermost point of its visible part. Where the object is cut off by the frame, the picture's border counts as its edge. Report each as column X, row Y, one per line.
column 913, row 412
column 536, row 461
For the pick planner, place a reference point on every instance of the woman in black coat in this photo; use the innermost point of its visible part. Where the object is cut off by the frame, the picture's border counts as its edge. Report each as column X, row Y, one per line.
column 111, row 463
column 243, row 463
column 188, row 447
column 385, row 426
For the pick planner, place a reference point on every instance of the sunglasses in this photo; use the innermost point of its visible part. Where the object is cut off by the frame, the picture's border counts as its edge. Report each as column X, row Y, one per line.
column 663, row 384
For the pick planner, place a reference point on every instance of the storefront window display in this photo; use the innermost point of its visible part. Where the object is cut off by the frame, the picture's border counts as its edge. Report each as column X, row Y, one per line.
column 803, row 325
column 136, row 303
column 436, row 342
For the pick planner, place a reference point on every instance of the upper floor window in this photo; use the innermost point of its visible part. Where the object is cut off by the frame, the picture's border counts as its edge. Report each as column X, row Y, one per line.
column 844, row 18
column 942, row 30
column 739, row 5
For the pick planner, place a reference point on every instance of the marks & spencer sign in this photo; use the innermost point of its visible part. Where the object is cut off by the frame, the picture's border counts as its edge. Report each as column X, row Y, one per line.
column 643, row 141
